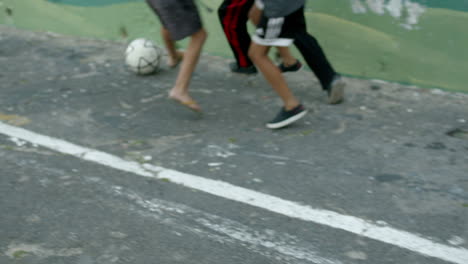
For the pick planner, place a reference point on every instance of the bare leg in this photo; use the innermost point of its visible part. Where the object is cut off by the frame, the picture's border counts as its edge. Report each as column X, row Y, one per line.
column 255, row 14
column 286, row 56
column 259, row 55
column 174, row 55
column 180, row 90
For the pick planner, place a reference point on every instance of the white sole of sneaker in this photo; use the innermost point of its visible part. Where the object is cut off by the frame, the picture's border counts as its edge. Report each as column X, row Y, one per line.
column 287, row 121
column 337, row 92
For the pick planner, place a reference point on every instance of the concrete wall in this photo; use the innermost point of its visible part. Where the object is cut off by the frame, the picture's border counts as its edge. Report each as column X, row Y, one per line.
column 421, row 42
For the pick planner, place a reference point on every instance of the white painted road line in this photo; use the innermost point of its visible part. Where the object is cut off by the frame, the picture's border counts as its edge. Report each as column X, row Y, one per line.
column 383, row 233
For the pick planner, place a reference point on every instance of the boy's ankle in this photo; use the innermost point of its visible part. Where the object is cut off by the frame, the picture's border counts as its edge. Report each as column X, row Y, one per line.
column 290, row 106
column 289, row 63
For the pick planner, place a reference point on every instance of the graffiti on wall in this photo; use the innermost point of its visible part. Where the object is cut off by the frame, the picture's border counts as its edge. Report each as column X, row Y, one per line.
column 407, row 12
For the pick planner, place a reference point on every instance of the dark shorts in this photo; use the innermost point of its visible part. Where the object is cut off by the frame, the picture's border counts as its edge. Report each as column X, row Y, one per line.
column 279, row 31
column 179, row 17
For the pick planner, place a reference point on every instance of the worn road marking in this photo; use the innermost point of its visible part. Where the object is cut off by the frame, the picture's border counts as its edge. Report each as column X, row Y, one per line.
column 383, row 233
column 276, row 246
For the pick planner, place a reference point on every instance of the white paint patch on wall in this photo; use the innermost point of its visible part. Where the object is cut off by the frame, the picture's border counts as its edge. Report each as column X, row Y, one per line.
column 395, row 8
column 377, row 6
column 358, row 7
column 406, row 11
column 373, row 230
column 414, row 12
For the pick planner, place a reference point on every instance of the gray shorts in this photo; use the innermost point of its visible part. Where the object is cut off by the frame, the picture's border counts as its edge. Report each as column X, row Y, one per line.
column 180, row 17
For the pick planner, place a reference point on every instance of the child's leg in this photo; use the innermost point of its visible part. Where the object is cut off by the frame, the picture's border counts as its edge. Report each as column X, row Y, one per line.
column 180, row 90
column 233, row 17
column 318, row 62
column 255, row 14
column 174, row 55
column 286, row 57
column 259, row 55
column 315, row 57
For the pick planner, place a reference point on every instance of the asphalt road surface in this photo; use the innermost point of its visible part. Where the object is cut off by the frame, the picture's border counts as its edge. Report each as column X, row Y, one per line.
column 98, row 166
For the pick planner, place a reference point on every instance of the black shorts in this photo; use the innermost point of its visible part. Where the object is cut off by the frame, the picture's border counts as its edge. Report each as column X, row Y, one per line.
column 179, row 17
column 279, row 31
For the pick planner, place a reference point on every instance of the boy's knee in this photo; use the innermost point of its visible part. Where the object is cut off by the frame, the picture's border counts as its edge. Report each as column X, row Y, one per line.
column 201, row 35
column 204, row 35
column 254, row 54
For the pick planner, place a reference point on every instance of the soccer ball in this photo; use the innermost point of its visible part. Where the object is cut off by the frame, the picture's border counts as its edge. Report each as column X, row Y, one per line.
column 142, row 56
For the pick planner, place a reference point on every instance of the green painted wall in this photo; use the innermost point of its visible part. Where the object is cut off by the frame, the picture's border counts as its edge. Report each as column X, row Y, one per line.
column 421, row 42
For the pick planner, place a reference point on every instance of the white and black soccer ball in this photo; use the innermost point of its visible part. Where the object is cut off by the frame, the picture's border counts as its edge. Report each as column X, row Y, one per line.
column 142, row 56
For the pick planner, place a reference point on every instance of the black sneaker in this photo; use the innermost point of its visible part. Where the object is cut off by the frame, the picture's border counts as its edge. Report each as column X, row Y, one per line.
column 244, row 70
column 284, row 118
column 336, row 90
column 293, row 68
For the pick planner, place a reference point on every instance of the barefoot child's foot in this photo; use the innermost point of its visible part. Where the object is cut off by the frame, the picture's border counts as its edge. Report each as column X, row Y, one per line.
column 185, row 100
